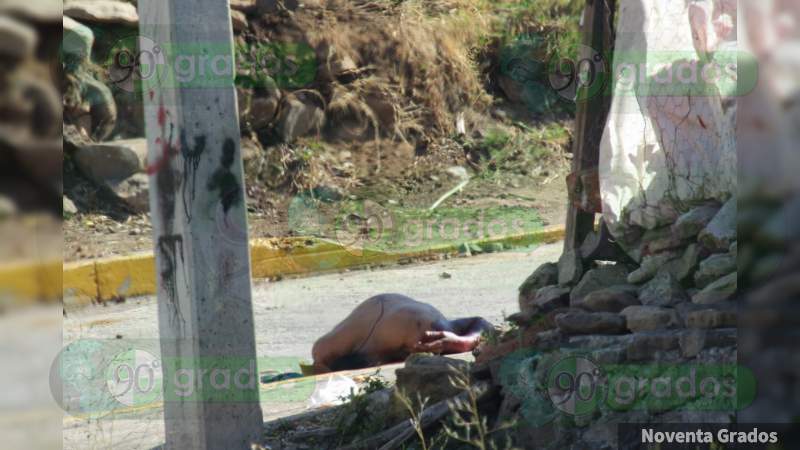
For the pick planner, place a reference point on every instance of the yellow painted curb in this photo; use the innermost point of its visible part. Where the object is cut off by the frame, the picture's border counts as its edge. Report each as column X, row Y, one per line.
column 108, row 279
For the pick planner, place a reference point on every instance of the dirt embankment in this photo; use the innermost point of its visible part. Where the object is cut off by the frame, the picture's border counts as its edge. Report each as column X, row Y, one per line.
column 392, row 103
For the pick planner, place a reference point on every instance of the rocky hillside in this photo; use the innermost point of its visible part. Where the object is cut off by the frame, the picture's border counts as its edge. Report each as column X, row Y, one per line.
column 339, row 100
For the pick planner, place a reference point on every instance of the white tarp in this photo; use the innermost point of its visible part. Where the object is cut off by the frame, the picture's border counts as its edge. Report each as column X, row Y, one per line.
column 670, row 138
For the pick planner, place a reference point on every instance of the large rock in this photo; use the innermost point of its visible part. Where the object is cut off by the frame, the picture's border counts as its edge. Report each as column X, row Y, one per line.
column 663, row 290
column 426, row 376
column 661, row 240
column 102, row 12
column 590, row 323
column 133, row 192
column 693, row 222
column 77, row 43
column 721, row 231
column 684, row 267
column 720, row 290
column 644, row 345
column 550, row 298
column 649, row 266
column 649, row 318
column 112, row 161
column 612, row 299
column 298, row 118
column 570, row 268
column 17, row 40
column 544, row 275
column 714, row 267
column 599, row 278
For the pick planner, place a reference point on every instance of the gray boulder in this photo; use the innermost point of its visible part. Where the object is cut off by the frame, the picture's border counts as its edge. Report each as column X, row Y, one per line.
column 612, row 299
column 721, row 231
column 544, row 275
column 720, row 290
column 649, row 318
column 78, row 40
column 112, row 161
column 599, row 278
column 662, row 290
column 590, row 323
column 102, row 12
column 714, row 267
column 298, row 118
column 693, row 222
column 133, row 192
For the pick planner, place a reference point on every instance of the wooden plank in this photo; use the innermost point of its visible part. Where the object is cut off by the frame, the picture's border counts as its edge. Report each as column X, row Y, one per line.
column 200, row 227
column 590, row 117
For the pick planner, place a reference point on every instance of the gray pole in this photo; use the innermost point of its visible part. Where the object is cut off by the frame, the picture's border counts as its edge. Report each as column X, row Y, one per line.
column 200, row 225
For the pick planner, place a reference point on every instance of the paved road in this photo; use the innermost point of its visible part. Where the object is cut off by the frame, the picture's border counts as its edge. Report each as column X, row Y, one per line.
column 290, row 314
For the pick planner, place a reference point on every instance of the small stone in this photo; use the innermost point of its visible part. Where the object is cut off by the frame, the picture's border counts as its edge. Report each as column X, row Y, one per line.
column 650, row 266
column 692, row 342
column 17, row 40
column 570, row 268
column 663, row 290
column 445, row 275
column 246, row 6
column 720, row 290
column 133, row 192
column 68, row 210
column 661, row 240
column 596, row 341
column 714, row 267
column 645, row 344
column 649, row 318
column 544, row 275
column 590, row 323
column 458, row 172
column 262, row 110
column 102, row 12
column 693, row 222
column 684, row 267
column 7, row 207
column 721, row 231
column 112, row 161
column 78, row 40
column 612, row 299
column 297, row 118
column 238, row 20
column 549, row 298
column 599, row 278
column 711, row 318
column 549, row 339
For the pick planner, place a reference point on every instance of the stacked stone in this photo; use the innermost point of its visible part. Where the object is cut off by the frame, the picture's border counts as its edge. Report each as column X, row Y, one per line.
column 675, row 307
column 672, row 307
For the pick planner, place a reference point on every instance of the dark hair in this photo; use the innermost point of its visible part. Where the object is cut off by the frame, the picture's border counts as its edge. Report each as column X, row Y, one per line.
column 350, row 361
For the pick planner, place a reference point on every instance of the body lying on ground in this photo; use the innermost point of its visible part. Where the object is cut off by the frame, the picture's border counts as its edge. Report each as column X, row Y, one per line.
column 387, row 328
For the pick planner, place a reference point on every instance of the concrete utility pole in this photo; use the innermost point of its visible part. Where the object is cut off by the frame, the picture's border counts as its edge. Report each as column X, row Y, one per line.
column 200, row 225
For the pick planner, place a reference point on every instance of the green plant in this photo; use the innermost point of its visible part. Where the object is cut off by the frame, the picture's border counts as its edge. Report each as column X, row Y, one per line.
column 355, row 420
column 415, row 413
column 467, row 424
